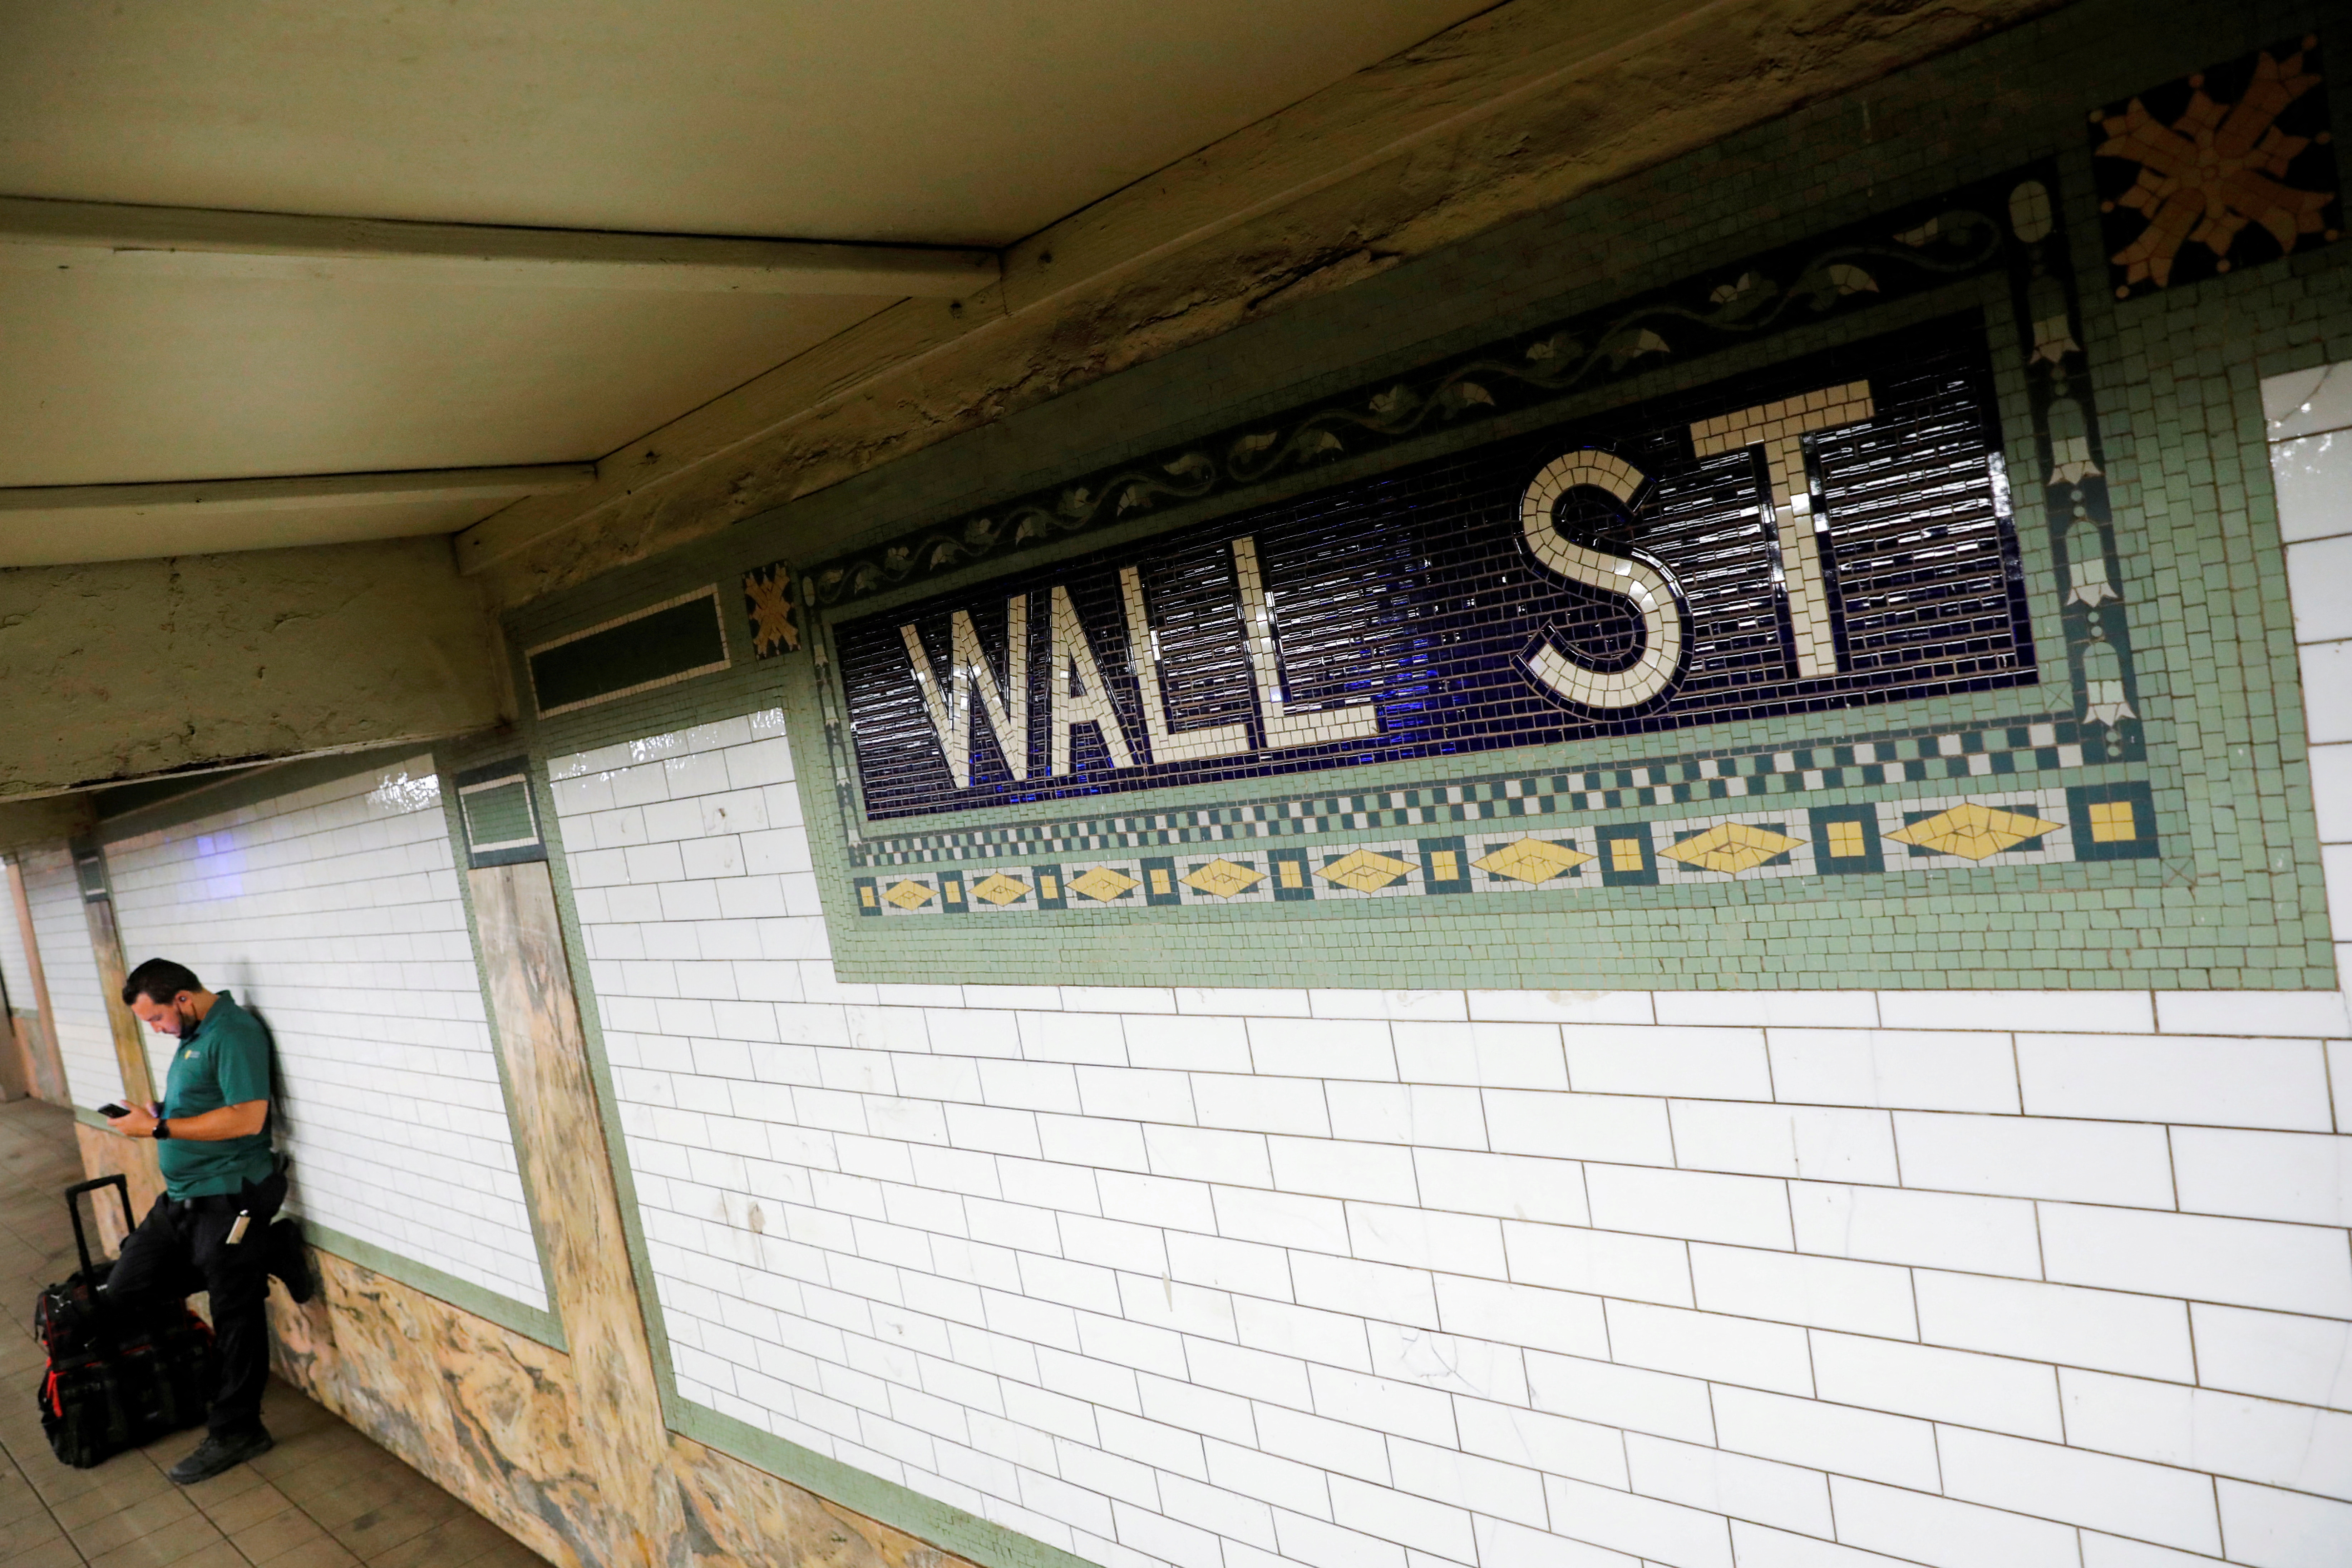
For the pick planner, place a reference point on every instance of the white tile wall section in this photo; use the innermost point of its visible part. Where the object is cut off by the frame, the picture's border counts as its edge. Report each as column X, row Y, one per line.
column 335, row 913
column 1514, row 1279
column 16, row 974
column 70, row 965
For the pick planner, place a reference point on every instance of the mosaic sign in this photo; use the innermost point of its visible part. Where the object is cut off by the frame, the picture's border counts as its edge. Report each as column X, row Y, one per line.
column 1832, row 531
column 2229, row 167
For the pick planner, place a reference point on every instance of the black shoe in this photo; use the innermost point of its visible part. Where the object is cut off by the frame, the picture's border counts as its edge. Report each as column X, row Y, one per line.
column 289, row 1259
column 218, row 1453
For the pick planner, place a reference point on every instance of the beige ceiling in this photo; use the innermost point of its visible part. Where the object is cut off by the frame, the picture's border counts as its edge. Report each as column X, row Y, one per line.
column 905, row 121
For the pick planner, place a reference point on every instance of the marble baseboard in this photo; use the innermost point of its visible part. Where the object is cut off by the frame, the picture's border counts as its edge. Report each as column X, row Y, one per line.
column 495, row 1419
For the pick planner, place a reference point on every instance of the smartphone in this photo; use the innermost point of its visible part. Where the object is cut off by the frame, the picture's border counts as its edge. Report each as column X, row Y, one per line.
column 111, row 1111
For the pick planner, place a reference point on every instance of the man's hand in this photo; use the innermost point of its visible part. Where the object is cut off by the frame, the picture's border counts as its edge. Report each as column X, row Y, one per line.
column 134, row 1122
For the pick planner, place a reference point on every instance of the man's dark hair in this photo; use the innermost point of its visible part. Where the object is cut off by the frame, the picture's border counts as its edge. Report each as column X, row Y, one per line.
column 159, row 980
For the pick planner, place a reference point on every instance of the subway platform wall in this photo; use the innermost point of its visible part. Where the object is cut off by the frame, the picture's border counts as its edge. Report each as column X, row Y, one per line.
column 1661, row 889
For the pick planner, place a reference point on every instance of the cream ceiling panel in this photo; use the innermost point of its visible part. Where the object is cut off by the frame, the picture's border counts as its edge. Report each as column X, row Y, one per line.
column 909, row 119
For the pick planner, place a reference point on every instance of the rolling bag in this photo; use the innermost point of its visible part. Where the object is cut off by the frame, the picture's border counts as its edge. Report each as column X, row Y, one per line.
column 118, row 1376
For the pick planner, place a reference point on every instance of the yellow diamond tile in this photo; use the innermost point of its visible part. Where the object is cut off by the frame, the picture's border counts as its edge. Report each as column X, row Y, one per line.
column 908, row 895
column 1732, row 847
column 1973, row 831
column 2113, row 821
column 998, row 889
column 1366, row 870
column 1102, row 884
column 1531, row 861
column 1224, row 879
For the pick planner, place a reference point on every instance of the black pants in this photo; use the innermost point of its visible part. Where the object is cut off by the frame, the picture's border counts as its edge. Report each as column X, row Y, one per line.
column 181, row 1248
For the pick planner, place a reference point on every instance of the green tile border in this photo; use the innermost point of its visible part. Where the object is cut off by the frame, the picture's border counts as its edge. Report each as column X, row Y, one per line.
column 942, row 1524
column 531, row 1322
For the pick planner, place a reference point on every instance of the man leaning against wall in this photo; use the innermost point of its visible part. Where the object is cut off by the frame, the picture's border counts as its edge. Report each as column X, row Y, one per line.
column 223, row 1182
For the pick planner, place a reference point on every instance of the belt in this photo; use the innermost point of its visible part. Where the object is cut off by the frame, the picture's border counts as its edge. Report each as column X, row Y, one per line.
column 224, row 1203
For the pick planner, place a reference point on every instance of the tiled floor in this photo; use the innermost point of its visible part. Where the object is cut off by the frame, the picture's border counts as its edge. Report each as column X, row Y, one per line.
column 324, row 1497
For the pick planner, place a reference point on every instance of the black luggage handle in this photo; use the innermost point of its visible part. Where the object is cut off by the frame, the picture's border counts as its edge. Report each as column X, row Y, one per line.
column 73, row 1207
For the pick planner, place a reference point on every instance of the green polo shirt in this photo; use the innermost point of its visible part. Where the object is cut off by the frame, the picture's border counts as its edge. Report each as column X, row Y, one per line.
column 225, row 1061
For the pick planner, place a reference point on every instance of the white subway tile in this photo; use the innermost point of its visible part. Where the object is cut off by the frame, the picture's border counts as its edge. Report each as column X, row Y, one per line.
column 2272, row 1529
column 1610, row 1395
column 1283, row 1219
column 1992, row 1236
column 1557, row 1443
column 1502, row 1544
column 2300, row 1176
column 2092, row 1012
column 1510, row 1186
column 1600, row 1263
column 1820, row 1143
column 1710, row 1345
column 1252, row 1373
column 1421, row 1114
column 1579, row 1126
column 2197, row 1080
column 2035, row 1157
column 1562, row 1006
column 2327, row 706
column 1653, row 1530
column 1251, row 1104
column 1488, row 1056
column 1478, row 1368
column 1304, row 1489
column 1779, row 1009
column 2304, row 401
column 1420, row 1239
column 1188, row 1044
column 1760, row 1546
column 1404, row 1517
column 2108, row 1330
column 1193, row 1408
column 1728, row 1483
column 1161, row 1539
column 1468, row 1482
column 1429, row 1005
column 2273, row 1013
column 1343, row 1447
column 2124, row 1496
column 1526, row 1315
column 1323, row 1048
column 1943, row 1533
column 2242, row 1262
column 1384, row 1403
column 2274, row 1354
column 1336, row 1338
column 1376, row 1172
column 1139, row 1094
column 1204, row 1155
column 1117, row 999
column 1098, row 1038
column 1749, row 1210
column 1241, row 1002
column 1378, row 1291
column 1690, row 1063
column 1797, row 1288
column 1961, row 1386
column 1325, row 1545
column 2253, row 1439
column 1825, row 1436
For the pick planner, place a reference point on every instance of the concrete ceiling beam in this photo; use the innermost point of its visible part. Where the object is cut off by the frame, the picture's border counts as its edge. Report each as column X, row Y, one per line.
column 1516, row 110
column 121, row 670
column 39, row 234
column 66, row 504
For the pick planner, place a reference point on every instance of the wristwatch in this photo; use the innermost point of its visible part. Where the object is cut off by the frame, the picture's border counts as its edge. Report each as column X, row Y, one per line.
column 163, row 1128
